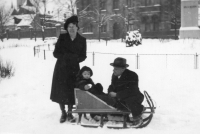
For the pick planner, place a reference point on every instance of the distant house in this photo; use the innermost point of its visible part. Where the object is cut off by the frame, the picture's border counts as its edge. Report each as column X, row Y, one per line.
column 23, row 16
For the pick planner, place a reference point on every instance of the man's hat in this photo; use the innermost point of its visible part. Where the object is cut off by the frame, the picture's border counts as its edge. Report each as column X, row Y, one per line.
column 119, row 62
column 72, row 19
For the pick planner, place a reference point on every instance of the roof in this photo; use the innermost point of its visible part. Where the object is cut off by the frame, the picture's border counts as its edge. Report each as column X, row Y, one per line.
column 27, row 3
column 14, row 12
column 26, row 20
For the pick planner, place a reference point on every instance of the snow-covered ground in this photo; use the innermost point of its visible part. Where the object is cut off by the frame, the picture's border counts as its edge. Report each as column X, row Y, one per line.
column 171, row 80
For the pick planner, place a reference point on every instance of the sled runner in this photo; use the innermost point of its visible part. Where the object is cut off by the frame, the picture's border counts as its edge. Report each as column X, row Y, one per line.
column 87, row 103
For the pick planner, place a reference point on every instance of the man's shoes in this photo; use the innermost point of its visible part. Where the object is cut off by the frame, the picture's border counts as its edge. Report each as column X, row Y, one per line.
column 137, row 121
column 143, row 110
column 63, row 117
column 97, row 118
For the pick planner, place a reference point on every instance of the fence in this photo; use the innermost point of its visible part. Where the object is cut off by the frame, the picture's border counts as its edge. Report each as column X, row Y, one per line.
column 51, row 32
column 140, row 61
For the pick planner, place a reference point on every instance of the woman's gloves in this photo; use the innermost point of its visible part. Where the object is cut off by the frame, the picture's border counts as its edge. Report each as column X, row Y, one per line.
column 70, row 56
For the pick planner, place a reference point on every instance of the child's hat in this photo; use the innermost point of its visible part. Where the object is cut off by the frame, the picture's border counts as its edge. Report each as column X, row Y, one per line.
column 85, row 68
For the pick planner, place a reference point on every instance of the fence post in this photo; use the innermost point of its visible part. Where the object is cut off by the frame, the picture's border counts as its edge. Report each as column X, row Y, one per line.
column 7, row 33
column 18, row 33
column 34, row 50
column 137, row 61
column 31, row 32
column 196, row 61
column 44, row 55
column 93, row 58
column 58, row 30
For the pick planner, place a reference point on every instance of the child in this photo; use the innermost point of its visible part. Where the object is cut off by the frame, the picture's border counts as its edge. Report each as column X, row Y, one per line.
column 84, row 82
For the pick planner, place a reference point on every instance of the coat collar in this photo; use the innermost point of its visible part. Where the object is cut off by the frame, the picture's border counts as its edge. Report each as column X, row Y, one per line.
column 122, row 76
column 69, row 38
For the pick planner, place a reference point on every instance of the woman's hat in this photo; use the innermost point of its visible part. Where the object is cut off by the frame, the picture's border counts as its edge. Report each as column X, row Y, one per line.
column 73, row 19
column 119, row 62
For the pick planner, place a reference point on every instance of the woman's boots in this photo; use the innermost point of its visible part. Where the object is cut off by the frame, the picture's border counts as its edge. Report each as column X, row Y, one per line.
column 65, row 116
column 70, row 117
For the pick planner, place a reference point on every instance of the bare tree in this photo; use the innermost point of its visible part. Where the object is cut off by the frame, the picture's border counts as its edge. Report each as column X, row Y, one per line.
column 39, row 18
column 4, row 18
column 68, row 7
column 94, row 15
column 173, row 10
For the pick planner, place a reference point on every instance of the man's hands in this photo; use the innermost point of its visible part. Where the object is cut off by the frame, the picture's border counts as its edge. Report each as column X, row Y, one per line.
column 112, row 94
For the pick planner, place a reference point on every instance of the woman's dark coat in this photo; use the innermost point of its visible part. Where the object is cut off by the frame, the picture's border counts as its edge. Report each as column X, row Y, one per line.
column 128, row 91
column 69, row 54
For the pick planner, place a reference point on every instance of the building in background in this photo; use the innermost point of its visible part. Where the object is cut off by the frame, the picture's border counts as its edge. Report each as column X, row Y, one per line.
column 199, row 14
column 113, row 18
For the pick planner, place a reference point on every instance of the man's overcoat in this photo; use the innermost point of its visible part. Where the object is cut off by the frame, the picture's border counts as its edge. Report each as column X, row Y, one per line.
column 128, row 91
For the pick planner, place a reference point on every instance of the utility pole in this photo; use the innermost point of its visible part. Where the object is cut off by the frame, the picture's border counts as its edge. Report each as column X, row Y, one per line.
column 44, row 1
column 99, row 20
column 175, row 19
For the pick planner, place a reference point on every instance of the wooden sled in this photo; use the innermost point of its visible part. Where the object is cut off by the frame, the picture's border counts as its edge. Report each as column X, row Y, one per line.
column 87, row 103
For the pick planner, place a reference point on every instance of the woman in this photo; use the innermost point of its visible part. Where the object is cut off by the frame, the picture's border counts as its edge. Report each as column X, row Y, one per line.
column 70, row 50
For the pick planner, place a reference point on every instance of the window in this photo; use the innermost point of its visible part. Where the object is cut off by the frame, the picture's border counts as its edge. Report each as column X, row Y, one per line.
column 115, row 4
column 175, row 25
column 144, row 2
column 102, row 4
column 147, row 27
column 129, row 3
column 156, row 2
column 104, row 28
column 155, row 20
column 155, row 26
column 88, row 28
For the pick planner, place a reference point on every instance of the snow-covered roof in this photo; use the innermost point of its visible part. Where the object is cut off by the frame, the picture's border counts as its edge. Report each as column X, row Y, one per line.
column 26, row 19
column 29, row 8
column 10, row 22
column 25, row 16
column 24, row 22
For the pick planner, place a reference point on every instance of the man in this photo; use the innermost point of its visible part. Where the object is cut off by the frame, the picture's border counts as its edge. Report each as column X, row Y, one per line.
column 124, row 88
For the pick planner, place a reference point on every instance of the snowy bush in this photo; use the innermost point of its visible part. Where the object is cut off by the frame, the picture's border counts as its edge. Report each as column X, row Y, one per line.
column 133, row 38
column 6, row 69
